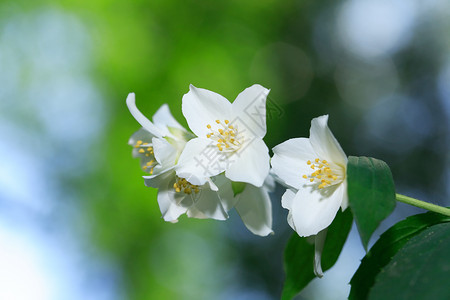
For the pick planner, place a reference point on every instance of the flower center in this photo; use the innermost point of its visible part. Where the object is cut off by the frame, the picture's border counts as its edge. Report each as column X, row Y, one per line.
column 145, row 151
column 227, row 138
column 323, row 173
column 181, row 185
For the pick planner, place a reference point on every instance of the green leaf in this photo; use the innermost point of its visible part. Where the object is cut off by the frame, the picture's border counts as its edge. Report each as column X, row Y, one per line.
column 371, row 194
column 419, row 270
column 299, row 254
column 238, row 187
column 386, row 247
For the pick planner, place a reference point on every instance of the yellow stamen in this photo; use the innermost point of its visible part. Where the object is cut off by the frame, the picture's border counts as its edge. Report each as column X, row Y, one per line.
column 322, row 174
column 182, row 185
column 226, row 137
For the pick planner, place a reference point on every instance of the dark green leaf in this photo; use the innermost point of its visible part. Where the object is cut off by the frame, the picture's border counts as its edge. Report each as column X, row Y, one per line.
column 238, row 187
column 371, row 193
column 386, row 247
column 299, row 254
column 419, row 270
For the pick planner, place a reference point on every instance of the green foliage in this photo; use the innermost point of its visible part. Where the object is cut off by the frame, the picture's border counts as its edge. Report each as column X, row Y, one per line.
column 419, row 270
column 299, row 254
column 371, row 193
column 382, row 253
column 238, row 187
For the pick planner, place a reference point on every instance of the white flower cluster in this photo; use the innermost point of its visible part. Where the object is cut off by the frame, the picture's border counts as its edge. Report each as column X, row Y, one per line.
column 194, row 172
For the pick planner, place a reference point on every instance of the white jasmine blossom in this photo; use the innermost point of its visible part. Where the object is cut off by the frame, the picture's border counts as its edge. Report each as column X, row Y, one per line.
column 229, row 136
column 314, row 169
column 177, row 196
column 164, row 126
column 214, row 199
column 159, row 144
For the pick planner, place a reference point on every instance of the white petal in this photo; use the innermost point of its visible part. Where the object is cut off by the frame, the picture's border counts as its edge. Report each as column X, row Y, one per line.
column 344, row 203
column 160, row 180
column 319, row 242
column 269, row 183
column 324, row 142
column 287, row 199
column 202, row 107
column 251, row 164
column 255, row 209
column 163, row 119
column 169, row 209
column 212, row 185
column 198, row 161
column 313, row 210
column 289, row 161
column 286, row 202
column 165, row 153
column 225, row 191
column 250, row 108
column 208, row 205
column 140, row 118
column 140, row 135
column 145, row 138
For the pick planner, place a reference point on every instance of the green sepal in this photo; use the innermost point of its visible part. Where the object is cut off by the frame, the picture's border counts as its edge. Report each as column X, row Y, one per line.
column 238, row 187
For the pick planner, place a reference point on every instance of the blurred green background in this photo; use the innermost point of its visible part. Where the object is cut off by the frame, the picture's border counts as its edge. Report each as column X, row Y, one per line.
column 77, row 222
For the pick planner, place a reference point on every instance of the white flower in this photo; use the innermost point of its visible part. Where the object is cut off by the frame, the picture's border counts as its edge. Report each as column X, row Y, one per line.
column 159, row 144
column 213, row 199
column 314, row 169
column 164, row 125
column 229, row 136
column 177, row 196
